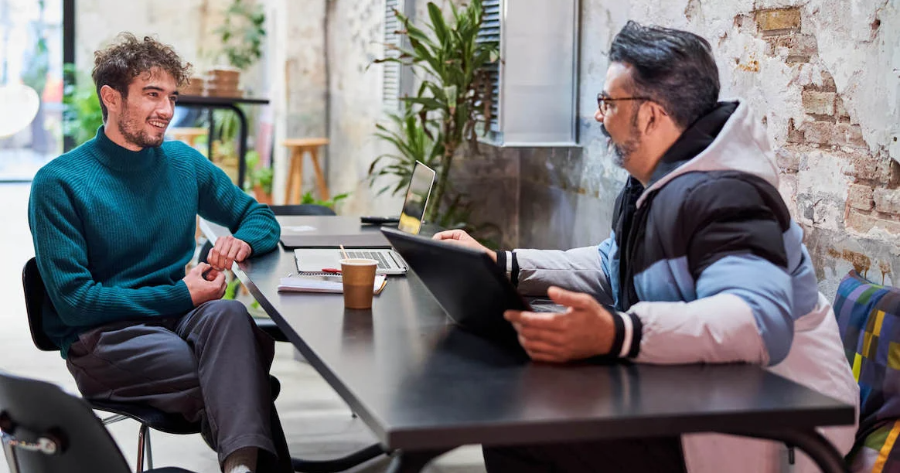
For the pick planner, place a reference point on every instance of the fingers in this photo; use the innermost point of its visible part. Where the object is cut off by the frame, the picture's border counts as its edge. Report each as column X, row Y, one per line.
column 449, row 235
column 577, row 300
column 232, row 253
column 540, row 351
column 212, row 274
column 536, row 320
column 243, row 253
column 200, row 268
column 226, row 251
column 551, row 337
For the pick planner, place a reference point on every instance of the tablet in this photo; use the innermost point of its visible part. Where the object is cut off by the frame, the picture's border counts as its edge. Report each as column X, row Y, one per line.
column 468, row 284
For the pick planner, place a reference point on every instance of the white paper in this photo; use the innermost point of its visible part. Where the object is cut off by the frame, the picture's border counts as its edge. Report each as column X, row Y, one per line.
column 299, row 229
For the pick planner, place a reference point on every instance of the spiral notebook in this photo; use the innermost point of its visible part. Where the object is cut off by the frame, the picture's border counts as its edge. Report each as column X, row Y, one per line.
column 322, row 283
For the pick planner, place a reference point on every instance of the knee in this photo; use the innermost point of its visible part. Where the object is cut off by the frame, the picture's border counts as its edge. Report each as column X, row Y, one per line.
column 229, row 311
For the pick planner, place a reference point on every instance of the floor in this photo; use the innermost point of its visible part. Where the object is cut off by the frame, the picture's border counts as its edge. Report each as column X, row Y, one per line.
column 317, row 423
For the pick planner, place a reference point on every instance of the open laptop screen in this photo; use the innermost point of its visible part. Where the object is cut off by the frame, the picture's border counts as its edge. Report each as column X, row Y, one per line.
column 416, row 199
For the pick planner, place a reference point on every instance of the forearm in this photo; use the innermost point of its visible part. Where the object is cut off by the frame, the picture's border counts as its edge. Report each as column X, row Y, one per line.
column 578, row 269
column 81, row 302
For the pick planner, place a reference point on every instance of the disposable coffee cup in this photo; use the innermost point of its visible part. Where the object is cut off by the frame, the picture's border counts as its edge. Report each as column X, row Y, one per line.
column 358, row 275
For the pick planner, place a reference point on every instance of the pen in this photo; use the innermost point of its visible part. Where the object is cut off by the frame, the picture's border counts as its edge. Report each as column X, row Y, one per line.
column 331, row 270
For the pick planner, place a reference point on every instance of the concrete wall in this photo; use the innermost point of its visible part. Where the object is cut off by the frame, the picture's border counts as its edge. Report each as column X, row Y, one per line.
column 185, row 24
column 822, row 75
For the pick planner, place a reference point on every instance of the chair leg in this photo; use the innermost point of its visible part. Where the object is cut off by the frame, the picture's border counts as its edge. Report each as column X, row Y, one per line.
column 10, row 453
column 149, row 451
column 142, row 434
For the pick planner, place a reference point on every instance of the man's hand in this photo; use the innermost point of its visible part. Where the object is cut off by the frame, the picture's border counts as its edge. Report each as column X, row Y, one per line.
column 462, row 238
column 227, row 250
column 203, row 289
column 586, row 329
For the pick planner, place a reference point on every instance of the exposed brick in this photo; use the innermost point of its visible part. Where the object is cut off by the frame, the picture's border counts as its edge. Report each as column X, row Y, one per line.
column 804, row 45
column 788, row 161
column 839, row 109
column 780, row 21
column 818, row 132
column 863, row 223
column 848, row 135
column 794, row 135
column 887, row 201
column 818, row 103
column 859, row 196
column 830, row 133
column 863, row 167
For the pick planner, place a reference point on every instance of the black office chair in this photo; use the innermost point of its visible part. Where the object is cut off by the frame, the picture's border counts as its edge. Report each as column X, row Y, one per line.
column 37, row 303
column 45, row 430
column 302, row 209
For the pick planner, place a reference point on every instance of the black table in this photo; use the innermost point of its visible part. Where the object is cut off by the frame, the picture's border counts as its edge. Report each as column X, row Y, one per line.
column 425, row 387
column 229, row 103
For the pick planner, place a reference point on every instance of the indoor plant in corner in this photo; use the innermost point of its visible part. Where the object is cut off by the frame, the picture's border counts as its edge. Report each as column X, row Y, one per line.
column 453, row 97
column 242, row 36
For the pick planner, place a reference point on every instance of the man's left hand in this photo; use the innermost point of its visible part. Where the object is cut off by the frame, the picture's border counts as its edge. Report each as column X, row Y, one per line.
column 227, row 250
column 584, row 330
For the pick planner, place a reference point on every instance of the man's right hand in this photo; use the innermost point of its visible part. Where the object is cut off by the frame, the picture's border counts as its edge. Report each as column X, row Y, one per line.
column 460, row 237
column 201, row 289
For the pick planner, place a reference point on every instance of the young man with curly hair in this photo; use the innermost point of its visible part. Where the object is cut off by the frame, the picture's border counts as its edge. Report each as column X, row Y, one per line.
column 113, row 225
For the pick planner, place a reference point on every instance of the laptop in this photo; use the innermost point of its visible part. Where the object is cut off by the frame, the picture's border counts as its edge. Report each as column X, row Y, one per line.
column 314, row 260
column 468, row 285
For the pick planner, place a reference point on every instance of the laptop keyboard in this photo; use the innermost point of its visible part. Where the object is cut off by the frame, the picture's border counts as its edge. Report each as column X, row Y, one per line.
column 375, row 255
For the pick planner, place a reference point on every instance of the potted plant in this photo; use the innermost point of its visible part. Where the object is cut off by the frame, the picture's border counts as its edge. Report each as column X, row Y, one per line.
column 259, row 179
column 83, row 115
column 242, row 37
column 454, row 96
column 330, row 203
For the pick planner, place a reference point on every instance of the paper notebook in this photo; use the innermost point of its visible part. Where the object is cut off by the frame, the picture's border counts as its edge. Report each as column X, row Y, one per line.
column 329, row 284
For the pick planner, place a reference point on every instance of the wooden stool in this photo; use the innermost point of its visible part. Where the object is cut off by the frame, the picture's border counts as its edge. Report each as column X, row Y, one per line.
column 298, row 147
column 188, row 135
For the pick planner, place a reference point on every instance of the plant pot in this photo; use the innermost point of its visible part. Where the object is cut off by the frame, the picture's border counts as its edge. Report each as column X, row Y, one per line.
column 261, row 195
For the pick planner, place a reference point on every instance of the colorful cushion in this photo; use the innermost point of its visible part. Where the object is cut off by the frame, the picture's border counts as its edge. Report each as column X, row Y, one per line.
column 867, row 315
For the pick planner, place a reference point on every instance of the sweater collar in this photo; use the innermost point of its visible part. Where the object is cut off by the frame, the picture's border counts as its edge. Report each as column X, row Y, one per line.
column 118, row 158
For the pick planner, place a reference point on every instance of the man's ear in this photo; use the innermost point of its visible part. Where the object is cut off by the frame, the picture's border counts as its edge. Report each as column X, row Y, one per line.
column 651, row 116
column 111, row 98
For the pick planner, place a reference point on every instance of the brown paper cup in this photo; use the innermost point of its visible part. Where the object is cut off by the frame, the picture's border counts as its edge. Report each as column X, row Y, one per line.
column 358, row 275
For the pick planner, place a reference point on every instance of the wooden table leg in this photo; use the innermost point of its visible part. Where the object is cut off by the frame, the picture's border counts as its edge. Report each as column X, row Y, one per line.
column 320, row 179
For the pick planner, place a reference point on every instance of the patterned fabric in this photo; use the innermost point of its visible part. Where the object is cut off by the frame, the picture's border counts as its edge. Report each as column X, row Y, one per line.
column 869, row 320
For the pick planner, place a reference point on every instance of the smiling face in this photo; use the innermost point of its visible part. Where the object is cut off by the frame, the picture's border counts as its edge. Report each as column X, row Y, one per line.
column 142, row 116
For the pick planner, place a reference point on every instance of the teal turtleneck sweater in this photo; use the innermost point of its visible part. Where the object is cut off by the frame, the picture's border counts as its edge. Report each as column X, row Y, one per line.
column 113, row 230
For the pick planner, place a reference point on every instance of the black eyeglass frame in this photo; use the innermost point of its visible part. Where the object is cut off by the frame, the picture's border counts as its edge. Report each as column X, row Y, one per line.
column 603, row 102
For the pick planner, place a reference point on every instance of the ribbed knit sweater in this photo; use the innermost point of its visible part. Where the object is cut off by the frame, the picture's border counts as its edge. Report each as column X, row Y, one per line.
column 113, row 230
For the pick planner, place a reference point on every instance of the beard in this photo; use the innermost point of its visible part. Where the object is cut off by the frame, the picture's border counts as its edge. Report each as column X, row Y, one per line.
column 132, row 129
column 623, row 151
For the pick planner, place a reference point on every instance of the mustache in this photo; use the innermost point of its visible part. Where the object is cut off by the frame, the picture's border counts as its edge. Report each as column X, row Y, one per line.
column 603, row 130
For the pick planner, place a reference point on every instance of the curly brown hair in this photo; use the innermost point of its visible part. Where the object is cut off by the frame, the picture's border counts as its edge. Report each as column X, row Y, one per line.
column 118, row 64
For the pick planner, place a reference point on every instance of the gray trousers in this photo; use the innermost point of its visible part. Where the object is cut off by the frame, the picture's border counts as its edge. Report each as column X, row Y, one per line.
column 210, row 365
column 653, row 455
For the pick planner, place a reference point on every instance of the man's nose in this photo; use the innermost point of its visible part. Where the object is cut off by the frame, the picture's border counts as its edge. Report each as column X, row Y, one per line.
column 166, row 110
column 598, row 115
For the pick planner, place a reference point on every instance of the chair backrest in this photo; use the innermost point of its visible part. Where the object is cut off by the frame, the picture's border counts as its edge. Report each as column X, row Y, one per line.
column 868, row 315
column 31, row 409
column 36, row 303
column 302, row 209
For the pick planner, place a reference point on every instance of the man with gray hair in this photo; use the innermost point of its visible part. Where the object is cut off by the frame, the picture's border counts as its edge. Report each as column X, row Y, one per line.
column 704, row 263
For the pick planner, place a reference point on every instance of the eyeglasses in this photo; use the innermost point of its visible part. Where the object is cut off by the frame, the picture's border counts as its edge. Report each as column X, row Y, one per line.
column 603, row 102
